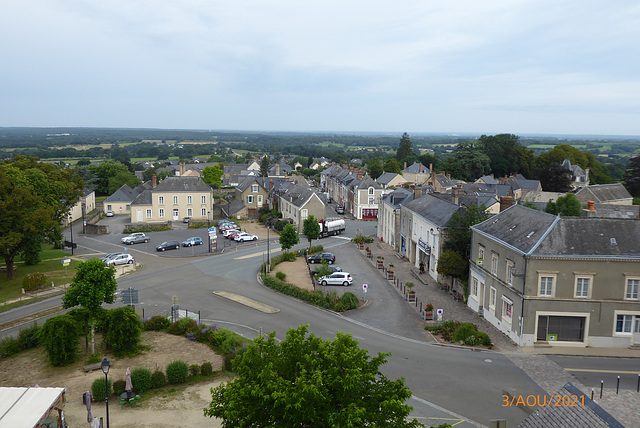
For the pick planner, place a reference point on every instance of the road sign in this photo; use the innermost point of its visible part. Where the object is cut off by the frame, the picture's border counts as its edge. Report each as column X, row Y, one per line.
column 66, row 262
column 129, row 296
column 439, row 312
column 364, row 287
column 212, row 229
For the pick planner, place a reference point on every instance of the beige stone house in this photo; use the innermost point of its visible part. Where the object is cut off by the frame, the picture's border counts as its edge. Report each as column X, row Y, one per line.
column 253, row 196
column 172, row 199
column 298, row 203
column 566, row 281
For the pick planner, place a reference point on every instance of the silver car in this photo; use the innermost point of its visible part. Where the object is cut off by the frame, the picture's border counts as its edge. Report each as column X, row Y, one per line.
column 135, row 238
column 337, row 278
column 120, row 259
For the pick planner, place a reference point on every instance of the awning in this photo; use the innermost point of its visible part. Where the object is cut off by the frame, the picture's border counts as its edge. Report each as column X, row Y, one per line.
column 28, row 407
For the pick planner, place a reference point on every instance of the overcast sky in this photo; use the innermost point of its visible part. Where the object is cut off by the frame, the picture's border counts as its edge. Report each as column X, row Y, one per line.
column 488, row 66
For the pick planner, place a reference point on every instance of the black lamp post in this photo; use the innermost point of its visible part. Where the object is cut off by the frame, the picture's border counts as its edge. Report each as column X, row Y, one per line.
column 228, row 205
column 71, row 227
column 208, row 217
column 105, row 369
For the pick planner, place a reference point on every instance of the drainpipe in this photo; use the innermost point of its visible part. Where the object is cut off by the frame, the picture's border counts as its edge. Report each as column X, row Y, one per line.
column 524, row 282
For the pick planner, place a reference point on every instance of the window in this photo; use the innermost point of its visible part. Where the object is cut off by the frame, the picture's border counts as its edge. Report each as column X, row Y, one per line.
column 148, row 213
column 492, row 298
column 128, row 207
column 161, row 213
column 474, row 287
column 507, row 310
column 494, row 264
column 632, row 289
column 583, row 287
column 371, row 190
column 546, row 286
column 203, row 212
column 203, row 200
column 160, row 200
column 109, row 208
column 370, row 201
column 561, row 328
column 254, row 188
column 510, row 269
column 249, row 199
column 304, row 214
column 189, row 200
column 481, row 252
column 189, row 212
column 175, row 200
column 624, row 323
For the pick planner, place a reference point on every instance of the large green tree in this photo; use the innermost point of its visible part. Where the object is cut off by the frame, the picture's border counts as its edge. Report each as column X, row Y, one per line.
column 631, row 176
column 264, row 166
column 467, row 162
column 392, row 165
column 93, row 284
column 34, row 198
column 556, row 178
column 405, row 148
column 374, row 168
column 311, row 228
column 566, row 205
column 109, row 174
column 306, row 381
column 288, row 237
column 212, row 175
column 503, row 152
column 458, row 234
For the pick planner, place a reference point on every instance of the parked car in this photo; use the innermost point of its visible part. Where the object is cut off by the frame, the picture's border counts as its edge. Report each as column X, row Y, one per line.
column 168, row 245
column 244, row 237
column 337, row 278
column 110, row 213
column 186, row 219
column 339, row 209
column 120, row 259
column 195, row 240
column 109, row 256
column 228, row 232
column 228, row 226
column 318, row 258
column 135, row 238
column 232, row 235
column 333, row 268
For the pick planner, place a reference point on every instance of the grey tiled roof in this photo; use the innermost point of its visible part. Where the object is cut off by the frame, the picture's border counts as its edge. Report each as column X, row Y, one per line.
column 246, row 182
column 123, row 194
column 297, row 195
column 398, row 196
column 603, row 193
column 433, row 209
column 416, row 168
column 182, row 184
column 144, row 198
column 616, row 211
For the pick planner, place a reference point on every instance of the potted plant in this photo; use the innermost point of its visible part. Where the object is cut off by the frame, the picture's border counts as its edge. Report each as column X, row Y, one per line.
column 428, row 312
column 380, row 262
column 368, row 250
column 411, row 294
column 390, row 274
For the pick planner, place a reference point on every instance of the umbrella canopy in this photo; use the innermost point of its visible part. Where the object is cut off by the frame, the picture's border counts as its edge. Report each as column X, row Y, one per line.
column 96, row 423
column 87, row 401
column 128, row 386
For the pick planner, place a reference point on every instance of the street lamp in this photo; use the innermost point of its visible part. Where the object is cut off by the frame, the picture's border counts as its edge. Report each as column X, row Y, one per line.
column 105, row 369
column 208, row 223
column 71, row 227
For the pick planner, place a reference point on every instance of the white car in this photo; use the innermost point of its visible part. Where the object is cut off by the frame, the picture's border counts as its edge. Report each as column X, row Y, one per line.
column 228, row 232
column 244, row 237
column 135, row 238
column 110, row 213
column 337, row 278
column 109, row 256
column 120, row 259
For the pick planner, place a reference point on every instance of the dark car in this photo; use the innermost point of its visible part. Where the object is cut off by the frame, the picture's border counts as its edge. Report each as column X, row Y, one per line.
column 318, row 258
column 168, row 245
column 331, row 268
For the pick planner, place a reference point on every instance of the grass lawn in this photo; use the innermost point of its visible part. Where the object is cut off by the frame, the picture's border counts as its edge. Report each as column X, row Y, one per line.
column 50, row 265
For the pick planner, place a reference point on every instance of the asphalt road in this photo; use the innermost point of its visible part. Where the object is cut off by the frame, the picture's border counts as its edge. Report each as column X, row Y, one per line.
column 591, row 371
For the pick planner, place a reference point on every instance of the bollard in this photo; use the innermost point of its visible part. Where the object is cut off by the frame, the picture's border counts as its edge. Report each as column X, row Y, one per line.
column 618, row 386
column 420, row 306
column 638, row 387
column 592, row 391
column 601, row 386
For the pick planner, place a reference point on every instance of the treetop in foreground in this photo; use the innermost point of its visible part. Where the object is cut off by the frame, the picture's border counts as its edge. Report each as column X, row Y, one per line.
column 306, row 381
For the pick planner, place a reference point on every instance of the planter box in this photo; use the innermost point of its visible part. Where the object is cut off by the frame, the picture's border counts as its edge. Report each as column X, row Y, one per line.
column 369, row 254
column 428, row 315
column 390, row 275
column 411, row 296
column 361, row 246
column 379, row 264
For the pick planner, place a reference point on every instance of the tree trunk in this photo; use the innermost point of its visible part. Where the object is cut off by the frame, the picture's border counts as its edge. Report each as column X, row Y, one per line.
column 93, row 337
column 8, row 261
column 86, row 334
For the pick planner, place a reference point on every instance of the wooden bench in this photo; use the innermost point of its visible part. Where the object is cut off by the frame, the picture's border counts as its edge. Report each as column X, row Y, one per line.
column 92, row 367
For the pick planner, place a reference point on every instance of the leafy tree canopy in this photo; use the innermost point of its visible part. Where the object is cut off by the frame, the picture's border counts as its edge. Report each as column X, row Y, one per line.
column 631, row 176
column 451, row 263
column 566, row 206
column 502, row 150
column 306, row 381
column 405, row 148
column 374, row 168
column 311, row 228
column 459, row 232
column 288, row 237
column 467, row 162
column 212, row 175
column 392, row 165
column 264, row 166
column 556, row 178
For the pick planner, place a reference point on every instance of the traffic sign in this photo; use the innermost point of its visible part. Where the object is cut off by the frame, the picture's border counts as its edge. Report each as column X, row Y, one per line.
column 364, row 287
column 66, row 262
column 212, row 229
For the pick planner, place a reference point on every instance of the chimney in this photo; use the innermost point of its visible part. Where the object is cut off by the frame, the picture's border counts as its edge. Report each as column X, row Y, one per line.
column 417, row 193
column 350, row 169
column 277, row 169
column 591, row 206
column 430, row 168
column 455, row 192
column 181, row 169
column 405, row 165
column 360, row 174
column 420, row 168
column 505, row 202
column 154, row 182
column 271, row 185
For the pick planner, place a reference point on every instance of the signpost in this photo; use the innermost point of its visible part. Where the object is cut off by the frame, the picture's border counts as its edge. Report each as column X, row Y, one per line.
column 130, row 297
column 213, row 238
column 364, row 289
column 66, row 263
column 439, row 313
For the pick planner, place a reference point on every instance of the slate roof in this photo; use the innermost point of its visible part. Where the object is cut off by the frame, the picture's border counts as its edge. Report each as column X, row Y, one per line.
column 284, row 168
column 614, row 211
column 398, row 196
column 365, row 182
column 295, row 194
column 433, row 209
column 499, row 190
column 444, row 181
column 603, row 193
column 517, row 226
column 235, row 168
column 386, row 177
column 488, row 179
column 519, row 182
column 182, row 184
column 416, row 168
column 123, row 194
column 246, row 182
column 144, row 198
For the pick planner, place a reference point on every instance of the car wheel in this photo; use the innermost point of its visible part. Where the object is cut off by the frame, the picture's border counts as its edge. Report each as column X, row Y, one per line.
column 323, row 283
column 130, row 243
column 146, row 240
column 330, row 262
column 177, row 246
column 255, row 238
column 312, row 261
column 346, row 284
column 163, row 249
column 130, row 262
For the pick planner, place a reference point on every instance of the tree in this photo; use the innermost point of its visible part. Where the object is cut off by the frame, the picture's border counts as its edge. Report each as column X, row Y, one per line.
column 392, row 165
column 212, row 175
column 467, row 162
column 503, row 152
column 93, row 284
column 59, row 336
column 34, row 198
column 122, row 331
column 311, row 228
column 631, row 176
column 459, row 232
column 264, row 166
column 404, row 148
column 452, row 264
column 108, row 170
column 556, row 178
column 307, row 381
column 121, row 178
column 566, row 206
column 288, row 237
column 374, row 168
column 430, row 159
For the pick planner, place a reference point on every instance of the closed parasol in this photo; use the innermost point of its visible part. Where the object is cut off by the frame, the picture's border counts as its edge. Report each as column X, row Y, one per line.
column 86, row 397
column 128, row 385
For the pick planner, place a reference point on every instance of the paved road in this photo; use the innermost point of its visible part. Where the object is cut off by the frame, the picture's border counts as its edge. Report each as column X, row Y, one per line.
column 590, row 371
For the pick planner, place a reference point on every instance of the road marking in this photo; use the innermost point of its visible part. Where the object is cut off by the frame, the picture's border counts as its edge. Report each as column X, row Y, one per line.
column 261, row 254
column 247, row 302
column 603, row 371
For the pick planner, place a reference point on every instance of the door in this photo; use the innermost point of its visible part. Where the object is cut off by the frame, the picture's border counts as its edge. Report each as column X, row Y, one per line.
column 176, row 214
column 636, row 330
column 139, row 215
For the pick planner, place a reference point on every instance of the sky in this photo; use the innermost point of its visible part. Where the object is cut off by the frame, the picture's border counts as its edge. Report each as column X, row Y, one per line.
column 490, row 66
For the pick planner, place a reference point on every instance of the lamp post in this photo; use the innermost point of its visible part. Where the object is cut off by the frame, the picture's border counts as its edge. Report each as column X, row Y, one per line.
column 228, row 205
column 83, row 222
column 71, row 227
column 208, row 217
column 105, row 369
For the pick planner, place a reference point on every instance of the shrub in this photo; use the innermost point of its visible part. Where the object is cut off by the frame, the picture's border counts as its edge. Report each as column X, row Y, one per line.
column 484, row 339
column 141, row 379
column 59, row 336
column 8, row 346
column 98, row 389
column 119, row 386
column 29, row 337
column 156, row 323
column 349, row 301
column 158, row 379
column 94, row 358
column 224, row 341
column 194, row 370
column 180, row 327
column 281, row 276
column 362, row 239
column 177, row 372
column 34, row 281
column 206, row 369
column 463, row 331
column 123, row 331
column 315, row 249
